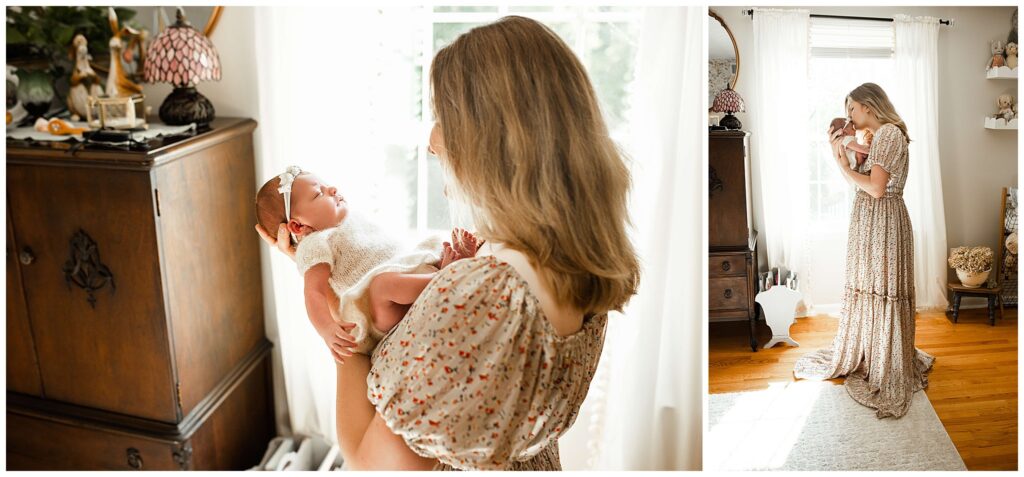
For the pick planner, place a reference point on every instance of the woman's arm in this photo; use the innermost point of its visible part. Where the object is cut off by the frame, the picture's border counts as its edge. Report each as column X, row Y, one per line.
column 873, row 183
column 366, row 442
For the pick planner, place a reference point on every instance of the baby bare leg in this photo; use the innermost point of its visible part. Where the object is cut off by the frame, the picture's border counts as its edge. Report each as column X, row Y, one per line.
column 392, row 293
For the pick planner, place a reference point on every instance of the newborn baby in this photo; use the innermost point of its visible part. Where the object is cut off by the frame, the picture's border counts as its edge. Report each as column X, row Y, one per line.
column 856, row 152
column 356, row 276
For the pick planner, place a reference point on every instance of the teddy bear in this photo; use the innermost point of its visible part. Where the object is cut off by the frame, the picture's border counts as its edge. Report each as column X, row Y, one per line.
column 1007, row 108
column 997, row 55
column 1011, row 55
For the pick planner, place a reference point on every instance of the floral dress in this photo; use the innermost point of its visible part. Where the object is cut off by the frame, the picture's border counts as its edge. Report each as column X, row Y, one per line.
column 475, row 375
column 874, row 346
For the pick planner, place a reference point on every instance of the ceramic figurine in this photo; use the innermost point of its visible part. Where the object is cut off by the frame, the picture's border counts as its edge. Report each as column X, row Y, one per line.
column 84, row 81
column 118, row 84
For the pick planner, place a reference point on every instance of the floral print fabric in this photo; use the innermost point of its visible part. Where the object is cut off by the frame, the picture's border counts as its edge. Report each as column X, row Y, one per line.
column 476, row 376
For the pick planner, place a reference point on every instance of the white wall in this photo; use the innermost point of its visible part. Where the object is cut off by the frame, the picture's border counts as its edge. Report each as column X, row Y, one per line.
column 976, row 162
column 235, row 93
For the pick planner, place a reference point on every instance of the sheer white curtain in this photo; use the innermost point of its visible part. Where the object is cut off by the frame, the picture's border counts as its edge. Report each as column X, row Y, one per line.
column 643, row 411
column 338, row 104
column 916, row 99
column 779, row 112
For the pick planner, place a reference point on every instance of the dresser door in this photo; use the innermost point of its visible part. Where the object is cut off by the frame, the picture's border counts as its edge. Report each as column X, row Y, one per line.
column 728, row 224
column 93, row 288
column 22, row 368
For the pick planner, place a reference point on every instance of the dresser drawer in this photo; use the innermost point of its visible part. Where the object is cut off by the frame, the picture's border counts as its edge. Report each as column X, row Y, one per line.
column 229, row 434
column 727, row 265
column 728, row 293
column 39, row 444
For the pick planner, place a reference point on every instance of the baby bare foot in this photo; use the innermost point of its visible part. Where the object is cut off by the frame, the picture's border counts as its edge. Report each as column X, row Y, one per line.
column 448, row 255
column 465, row 243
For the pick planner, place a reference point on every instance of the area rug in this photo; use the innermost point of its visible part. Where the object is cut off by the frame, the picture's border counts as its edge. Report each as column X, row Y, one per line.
column 816, row 425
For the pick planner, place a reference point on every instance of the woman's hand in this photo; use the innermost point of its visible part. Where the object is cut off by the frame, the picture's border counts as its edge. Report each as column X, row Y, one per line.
column 338, row 340
column 835, row 138
column 283, row 242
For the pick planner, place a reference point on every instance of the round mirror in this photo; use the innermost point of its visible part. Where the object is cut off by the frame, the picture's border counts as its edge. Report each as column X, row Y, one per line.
column 723, row 57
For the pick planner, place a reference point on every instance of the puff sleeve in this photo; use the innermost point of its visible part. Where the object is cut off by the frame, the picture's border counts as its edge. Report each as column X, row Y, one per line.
column 314, row 249
column 888, row 149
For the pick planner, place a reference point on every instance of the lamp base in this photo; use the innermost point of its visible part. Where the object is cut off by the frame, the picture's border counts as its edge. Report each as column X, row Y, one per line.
column 186, row 105
column 728, row 122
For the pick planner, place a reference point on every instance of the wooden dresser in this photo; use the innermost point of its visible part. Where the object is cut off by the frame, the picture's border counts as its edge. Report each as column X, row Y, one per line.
column 135, row 334
column 732, row 241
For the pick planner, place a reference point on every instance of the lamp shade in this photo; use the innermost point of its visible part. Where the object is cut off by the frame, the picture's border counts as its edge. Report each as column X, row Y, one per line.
column 181, row 56
column 728, row 101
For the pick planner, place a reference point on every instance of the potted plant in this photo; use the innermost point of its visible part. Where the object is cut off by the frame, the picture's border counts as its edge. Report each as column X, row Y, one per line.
column 972, row 264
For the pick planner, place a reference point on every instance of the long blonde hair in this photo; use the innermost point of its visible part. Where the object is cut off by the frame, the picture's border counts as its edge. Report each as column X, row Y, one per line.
column 529, row 154
column 874, row 97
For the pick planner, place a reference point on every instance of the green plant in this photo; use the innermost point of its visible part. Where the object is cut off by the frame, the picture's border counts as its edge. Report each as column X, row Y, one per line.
column 46, row 33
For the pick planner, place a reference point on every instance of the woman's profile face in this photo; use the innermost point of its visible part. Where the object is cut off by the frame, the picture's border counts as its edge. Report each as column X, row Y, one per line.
column 858, row 113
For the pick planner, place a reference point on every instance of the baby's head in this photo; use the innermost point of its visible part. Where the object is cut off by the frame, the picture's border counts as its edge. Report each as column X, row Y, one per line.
column 314, row 205
column 844, row 125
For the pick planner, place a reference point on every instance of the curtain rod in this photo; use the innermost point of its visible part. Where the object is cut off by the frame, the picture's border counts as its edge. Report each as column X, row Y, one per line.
column 949, row 22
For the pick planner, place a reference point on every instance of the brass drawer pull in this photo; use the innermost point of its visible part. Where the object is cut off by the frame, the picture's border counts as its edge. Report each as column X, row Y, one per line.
column 726, row 266
column 728, row 292
column 26, row 257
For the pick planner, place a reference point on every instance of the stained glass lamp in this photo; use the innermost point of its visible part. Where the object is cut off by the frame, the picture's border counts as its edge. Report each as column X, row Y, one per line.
column 183, row 56
column 729, row 101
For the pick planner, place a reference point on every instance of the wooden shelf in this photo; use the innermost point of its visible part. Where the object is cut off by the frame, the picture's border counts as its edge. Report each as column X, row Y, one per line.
column 993, row 123
column 1002, row 72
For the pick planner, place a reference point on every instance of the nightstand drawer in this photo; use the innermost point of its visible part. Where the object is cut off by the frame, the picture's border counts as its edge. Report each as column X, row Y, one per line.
column 727, row 265
column 728, row 293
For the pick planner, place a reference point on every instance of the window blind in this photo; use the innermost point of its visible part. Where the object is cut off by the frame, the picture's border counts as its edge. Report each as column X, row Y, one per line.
column 845, row 38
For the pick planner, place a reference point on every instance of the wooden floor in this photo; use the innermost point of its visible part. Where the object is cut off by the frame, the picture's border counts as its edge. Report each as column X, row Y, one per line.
column 973, row 385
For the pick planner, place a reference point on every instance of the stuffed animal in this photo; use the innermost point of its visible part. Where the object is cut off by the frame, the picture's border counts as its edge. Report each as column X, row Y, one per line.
column 1011, row 55
column 1007, row 108
column 997, row 55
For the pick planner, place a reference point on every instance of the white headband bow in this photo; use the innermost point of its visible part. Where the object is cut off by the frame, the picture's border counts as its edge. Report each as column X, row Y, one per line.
column 286, row 190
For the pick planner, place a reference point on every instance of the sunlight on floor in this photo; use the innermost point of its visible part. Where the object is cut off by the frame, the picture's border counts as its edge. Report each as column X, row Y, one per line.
column 760, row 428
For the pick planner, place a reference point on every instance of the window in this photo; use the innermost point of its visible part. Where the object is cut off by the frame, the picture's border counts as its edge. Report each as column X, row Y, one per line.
column 604, row 38
column 844, row 54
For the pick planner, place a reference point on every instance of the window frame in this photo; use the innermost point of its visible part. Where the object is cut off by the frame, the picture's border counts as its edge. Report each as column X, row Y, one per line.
column 579, row 16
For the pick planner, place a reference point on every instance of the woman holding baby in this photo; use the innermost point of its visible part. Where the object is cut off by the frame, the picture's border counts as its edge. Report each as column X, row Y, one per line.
column 492, row 362
column 874, row 346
